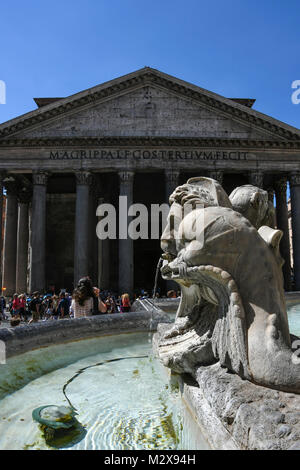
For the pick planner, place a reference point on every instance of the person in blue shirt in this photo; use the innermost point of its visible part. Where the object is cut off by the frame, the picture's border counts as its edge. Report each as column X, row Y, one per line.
column 63, row 306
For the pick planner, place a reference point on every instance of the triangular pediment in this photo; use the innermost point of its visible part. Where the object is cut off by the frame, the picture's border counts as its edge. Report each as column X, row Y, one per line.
column 146, row 111
column 151, row 104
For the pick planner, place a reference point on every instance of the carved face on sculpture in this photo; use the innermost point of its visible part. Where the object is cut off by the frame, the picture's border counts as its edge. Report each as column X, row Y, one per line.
column 201, row 190
column 197, row 193
column 252, row 203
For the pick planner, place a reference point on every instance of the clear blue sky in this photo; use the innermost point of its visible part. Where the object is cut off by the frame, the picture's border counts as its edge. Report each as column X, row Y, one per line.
column 237, row 48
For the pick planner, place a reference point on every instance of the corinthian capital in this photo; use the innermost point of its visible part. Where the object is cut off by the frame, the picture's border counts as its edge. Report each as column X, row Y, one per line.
column 126, row 176
column 83, row 177
column 217, row 175
column 172, row 176
column 295, row 178
column 40, row 177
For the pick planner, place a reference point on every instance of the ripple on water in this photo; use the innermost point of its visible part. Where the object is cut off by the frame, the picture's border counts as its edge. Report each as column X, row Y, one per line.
column 122, row 405
column 125, row 404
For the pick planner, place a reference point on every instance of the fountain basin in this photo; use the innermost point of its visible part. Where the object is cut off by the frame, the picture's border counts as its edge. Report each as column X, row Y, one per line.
column 36, row 335
column 221, row 410
column 122, row 396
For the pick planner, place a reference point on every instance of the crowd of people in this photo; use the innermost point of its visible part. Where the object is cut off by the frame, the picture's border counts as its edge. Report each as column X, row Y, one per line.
column 86, row 300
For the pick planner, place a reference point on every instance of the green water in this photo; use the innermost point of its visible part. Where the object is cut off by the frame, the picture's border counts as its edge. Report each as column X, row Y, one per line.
column 123, row 402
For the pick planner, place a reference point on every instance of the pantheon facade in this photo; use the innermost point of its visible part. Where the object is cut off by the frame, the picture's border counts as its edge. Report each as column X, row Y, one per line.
column 138, row 136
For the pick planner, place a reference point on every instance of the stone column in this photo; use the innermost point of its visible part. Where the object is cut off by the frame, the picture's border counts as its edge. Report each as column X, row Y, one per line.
column 126, row 252
column 10, row 242
column 171, row 182
column 2, row 176
column 29, row 264
column 82, row 225
column 104, row 260
column 273, row 220
column 295, row 206
column 101, row 267
column 282, row 224
column 93, row 240
column 38, row 232
column 22, row 244
column 256, row 178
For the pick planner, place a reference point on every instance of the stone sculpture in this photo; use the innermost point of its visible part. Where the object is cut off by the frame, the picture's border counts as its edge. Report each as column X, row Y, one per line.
column 232, row 307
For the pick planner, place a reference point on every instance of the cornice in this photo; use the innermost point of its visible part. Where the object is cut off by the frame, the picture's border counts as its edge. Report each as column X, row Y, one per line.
column 147, row 142
column 149, row 76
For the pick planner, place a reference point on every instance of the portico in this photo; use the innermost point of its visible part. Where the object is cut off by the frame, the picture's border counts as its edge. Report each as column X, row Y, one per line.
column 137, row 136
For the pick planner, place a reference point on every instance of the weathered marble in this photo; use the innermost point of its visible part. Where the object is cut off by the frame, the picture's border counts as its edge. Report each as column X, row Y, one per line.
column 232, row 309
column 38, row 232
column 253, row 203
column 147, row 110
column 81, row 249
column 22, row 247
column 25, row 338
column 234, row 414
column 295, row 203
column 126, row 251
column 10, row 244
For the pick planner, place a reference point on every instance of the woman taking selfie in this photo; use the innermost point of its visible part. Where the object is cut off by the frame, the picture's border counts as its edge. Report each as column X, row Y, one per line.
column 82, row 302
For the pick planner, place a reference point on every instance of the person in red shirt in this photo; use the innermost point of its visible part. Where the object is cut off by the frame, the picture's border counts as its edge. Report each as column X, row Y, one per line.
column 22, row 306
column 15, row 305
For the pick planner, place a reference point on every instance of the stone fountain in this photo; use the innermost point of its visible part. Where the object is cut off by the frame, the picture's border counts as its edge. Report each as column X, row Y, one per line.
column 231, row 333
